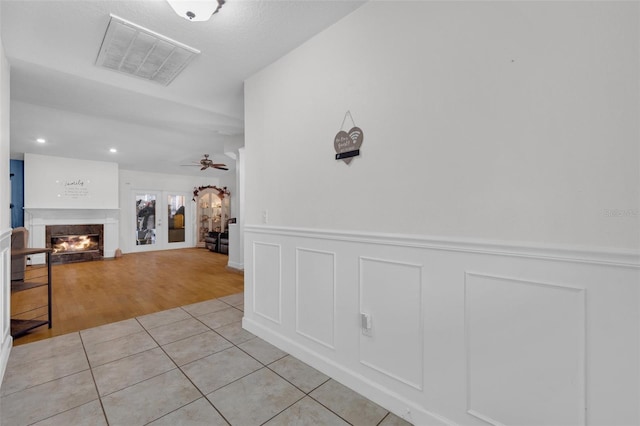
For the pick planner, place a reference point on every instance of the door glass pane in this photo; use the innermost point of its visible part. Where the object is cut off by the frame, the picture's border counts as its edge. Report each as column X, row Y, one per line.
column 217, row 225
column 146, row 219
column 175, row 218
column 204, row 214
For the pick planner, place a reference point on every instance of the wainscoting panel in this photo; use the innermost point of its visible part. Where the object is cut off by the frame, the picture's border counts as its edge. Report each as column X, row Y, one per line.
column 391, row 293
column 315, row 292
column 462, row 332
column 526, row 349
column 5, row 305
column 267, row 280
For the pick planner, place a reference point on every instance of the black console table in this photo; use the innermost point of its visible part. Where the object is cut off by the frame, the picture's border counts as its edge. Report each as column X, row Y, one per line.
column 32, row 277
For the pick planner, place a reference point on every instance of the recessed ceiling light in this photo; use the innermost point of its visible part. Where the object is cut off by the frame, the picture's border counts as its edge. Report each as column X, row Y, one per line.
column 40, row 140
column 113, row 150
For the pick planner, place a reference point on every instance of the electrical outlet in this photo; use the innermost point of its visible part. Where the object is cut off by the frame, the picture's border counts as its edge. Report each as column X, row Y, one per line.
column 265, row 216
column 366, row 323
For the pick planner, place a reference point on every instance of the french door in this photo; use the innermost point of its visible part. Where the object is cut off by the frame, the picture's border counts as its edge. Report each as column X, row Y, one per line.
column 162, row 220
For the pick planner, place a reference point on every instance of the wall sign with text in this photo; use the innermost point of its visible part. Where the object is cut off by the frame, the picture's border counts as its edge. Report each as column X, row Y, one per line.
column 347, row 144
column 73, row 188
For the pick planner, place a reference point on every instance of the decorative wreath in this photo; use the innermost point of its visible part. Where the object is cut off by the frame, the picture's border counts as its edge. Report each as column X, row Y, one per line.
column 221, row 191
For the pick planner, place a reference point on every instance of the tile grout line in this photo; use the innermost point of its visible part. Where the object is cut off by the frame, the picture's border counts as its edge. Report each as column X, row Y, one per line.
column 44, row 383
column 124, row 356
column 93, row 378
column 62, row 377
column 382, row 420
column 283, row 410
column 305, row 394
column 309, row 393
column 91, row 367
column 185, row 374
column 178, row 367
column 264, row 366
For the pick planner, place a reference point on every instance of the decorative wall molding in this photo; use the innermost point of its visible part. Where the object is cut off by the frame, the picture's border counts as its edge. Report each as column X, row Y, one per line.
column 5, row 308
column 517, row 335
column 5, row 350
column 324, row 322
column 444, row 311
column 4, row 234
column 615, row 257
column 391, row 287
column 69, row 209
column 267, row 279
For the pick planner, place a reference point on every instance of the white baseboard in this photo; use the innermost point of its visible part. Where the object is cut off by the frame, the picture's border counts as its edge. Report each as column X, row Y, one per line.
column 236, row 266
column 6, row 341
column 5, row 351
column 393, row 402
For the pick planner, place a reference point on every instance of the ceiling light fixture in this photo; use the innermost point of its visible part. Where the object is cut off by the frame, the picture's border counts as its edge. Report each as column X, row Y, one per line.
column 113, row 150
column 40, row 140
column 196, row 10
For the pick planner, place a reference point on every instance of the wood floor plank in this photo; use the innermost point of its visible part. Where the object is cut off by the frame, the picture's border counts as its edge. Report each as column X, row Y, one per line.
column 94, row 293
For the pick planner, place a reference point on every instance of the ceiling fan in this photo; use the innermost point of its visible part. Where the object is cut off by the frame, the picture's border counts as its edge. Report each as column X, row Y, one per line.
column 205, row 163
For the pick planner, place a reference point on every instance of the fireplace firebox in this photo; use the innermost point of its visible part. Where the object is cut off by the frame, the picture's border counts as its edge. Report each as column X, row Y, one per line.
column 75, row 243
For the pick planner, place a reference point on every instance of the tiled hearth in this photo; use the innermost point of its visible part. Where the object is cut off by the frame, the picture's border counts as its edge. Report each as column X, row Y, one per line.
column 190, row 365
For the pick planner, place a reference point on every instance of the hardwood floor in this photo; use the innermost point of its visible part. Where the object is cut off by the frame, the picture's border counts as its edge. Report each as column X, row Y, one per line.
column 100, row 292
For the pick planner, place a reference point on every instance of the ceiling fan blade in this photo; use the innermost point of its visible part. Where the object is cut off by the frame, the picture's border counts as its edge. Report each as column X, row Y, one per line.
column 205, row 163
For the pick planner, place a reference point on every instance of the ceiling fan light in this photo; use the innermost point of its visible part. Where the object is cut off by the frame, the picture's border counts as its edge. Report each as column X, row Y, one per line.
column 196, row 10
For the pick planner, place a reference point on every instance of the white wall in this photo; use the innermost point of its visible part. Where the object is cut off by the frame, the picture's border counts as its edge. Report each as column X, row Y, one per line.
column 5, row 217
column 63, row 191
column 104, row 196
column 236, row 232
column 232, row 149
column 66, row 183
column 490, row 225
column 513, row 121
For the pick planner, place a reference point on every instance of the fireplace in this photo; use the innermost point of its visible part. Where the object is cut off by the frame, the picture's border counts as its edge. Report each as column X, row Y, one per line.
column 75, row 243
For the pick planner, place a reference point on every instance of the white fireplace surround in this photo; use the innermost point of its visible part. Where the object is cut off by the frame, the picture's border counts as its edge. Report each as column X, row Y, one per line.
column 36, row 220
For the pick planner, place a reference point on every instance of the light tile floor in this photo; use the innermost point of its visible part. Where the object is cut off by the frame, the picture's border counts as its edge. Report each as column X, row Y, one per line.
column 193, row 365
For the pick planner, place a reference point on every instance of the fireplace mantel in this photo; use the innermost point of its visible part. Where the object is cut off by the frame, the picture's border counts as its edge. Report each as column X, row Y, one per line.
column 60, row 214
column 36, row 220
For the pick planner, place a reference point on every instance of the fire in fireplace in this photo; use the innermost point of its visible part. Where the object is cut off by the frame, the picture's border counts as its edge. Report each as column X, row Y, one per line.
column 75, row 243
column 66, row 244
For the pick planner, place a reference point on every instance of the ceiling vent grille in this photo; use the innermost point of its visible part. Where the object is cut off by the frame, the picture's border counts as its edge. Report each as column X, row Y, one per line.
column 131, row 49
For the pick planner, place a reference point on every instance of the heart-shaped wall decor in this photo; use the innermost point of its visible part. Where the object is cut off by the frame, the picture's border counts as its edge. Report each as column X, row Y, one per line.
column 348, row 142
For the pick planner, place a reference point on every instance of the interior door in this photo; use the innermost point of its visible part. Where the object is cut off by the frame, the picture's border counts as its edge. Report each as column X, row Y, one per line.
column 162, row 220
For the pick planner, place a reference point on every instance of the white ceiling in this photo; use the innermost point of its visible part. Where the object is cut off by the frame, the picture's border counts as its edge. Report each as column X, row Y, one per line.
column 58, row 93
